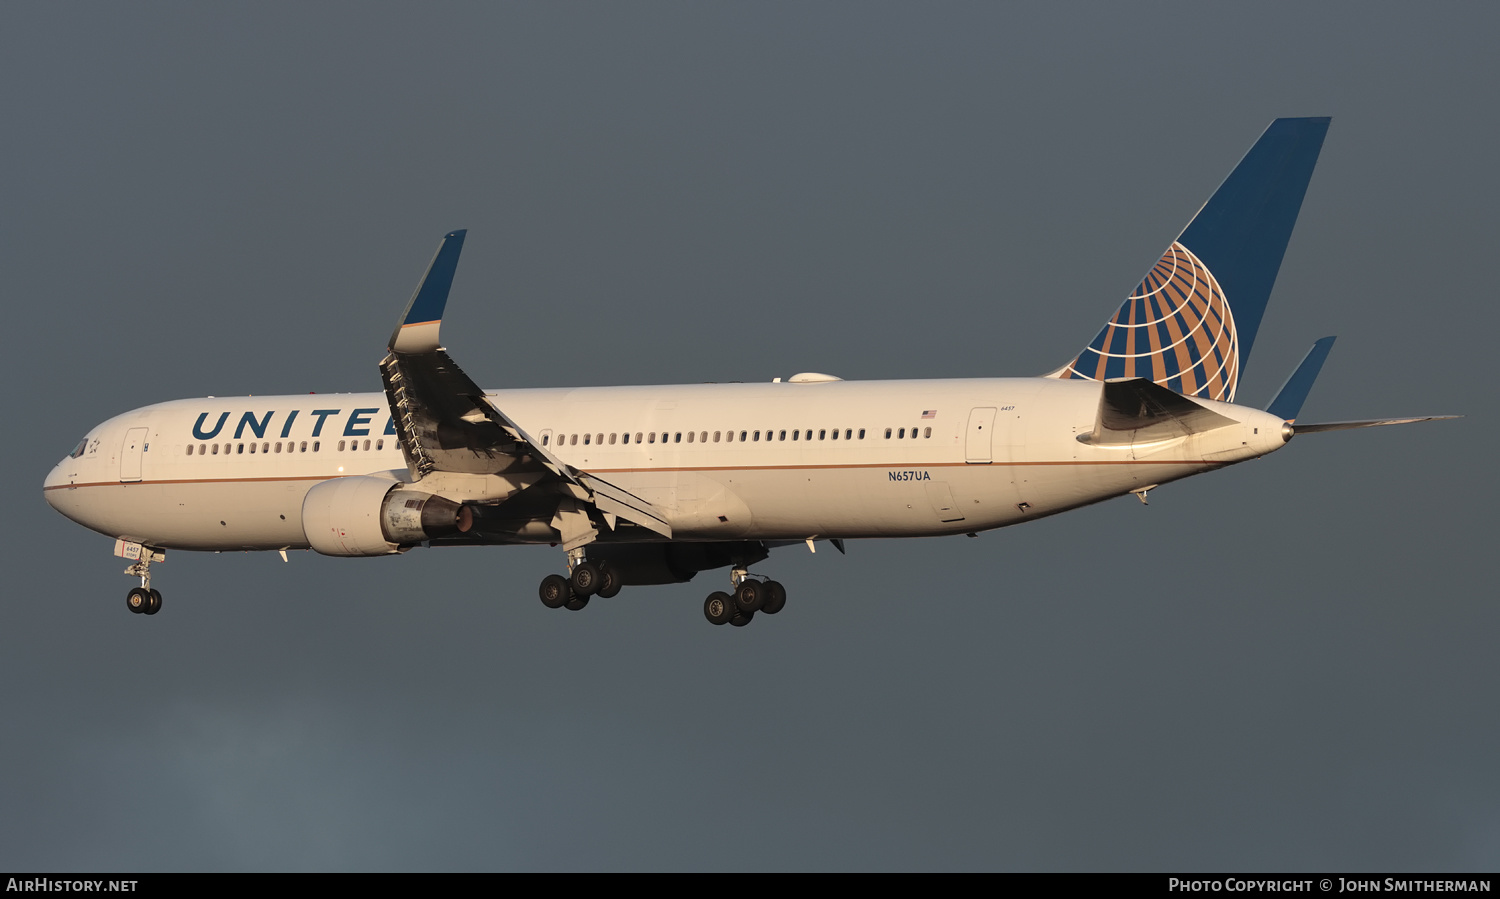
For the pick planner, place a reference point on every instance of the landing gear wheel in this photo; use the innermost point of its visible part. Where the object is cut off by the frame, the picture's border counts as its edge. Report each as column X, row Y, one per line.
column 155, row 605
column 742, row 619
column 775, row 599
column 609, row 584
column 718, row 608
column 749, row 595
column 576, row 603
column 587, row 578
column 138, row 600
column 555, row 591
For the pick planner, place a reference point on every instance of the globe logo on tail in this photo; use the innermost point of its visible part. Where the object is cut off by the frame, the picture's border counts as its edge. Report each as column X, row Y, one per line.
column 1175, row 329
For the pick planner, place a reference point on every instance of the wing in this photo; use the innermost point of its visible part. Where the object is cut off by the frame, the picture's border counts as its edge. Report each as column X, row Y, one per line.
column 446, row 424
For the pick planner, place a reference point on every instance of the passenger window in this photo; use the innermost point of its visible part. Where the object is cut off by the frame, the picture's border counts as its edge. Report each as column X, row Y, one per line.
column 239, row 449
column 702, row 436
column 341, row 446
column 861, row 433
column 545, row 438
column 757, row 435
column 742, row 436
column 216, row 449
column 611, row 439
column 716, row 436
column 380, row 444
column 690, row 436
column 637, row 436
column 190, row 449
column 835, row 434
column 586, row 439
column 679, row 437
column 317, row 444
column 252, row 449
column 573, row 440
column 782, row 436
column 652, row 438
column 794, row 435
column 888, row 433
column 926, row 433
column 304, row 447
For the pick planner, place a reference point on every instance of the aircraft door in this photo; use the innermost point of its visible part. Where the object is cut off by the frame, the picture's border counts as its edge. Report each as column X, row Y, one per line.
column 978, row 441
column 130, row 454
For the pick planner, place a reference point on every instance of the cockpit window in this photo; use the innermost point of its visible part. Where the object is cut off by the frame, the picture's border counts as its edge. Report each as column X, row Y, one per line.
column 78, row 450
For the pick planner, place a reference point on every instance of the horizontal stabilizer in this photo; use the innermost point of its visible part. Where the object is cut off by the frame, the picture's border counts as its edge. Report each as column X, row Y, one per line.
column 1139, row 411
column 1293, row 393
column 1321, row 426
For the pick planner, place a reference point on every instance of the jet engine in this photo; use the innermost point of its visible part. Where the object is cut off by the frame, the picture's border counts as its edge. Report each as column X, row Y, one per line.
column 368, row 516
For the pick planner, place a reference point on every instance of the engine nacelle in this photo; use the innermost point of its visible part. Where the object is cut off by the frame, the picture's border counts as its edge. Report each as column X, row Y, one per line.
column 368, row 516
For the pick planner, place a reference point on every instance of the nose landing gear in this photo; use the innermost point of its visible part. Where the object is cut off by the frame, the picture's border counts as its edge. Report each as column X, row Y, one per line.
column 142, row 600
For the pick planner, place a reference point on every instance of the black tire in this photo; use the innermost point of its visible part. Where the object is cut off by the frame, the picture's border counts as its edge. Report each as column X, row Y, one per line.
column 749, row 595
column 576, row 603
column 775, row 599
column 587, row 578
column 718, row 608
column 609, row 585
column 138, row 600
column 555, row 591
column 741, row 619
column 155, row 605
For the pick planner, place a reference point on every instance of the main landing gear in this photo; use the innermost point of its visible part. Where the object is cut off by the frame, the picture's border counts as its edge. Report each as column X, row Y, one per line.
column 750, row 596
column 589, row 578
column 143, row 600
column 585, row 579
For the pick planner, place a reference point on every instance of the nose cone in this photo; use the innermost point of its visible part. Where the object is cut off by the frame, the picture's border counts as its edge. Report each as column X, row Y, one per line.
column 59, row 492
column 55, row 479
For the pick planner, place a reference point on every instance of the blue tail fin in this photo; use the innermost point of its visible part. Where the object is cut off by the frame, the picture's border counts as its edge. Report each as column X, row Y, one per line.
column 1293, row 393
column 1190, row 324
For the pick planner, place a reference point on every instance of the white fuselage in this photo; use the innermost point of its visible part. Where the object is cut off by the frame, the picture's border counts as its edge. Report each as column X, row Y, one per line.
column 778, row 461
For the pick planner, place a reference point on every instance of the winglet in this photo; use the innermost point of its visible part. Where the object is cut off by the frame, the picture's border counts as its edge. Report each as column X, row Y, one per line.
column 418, row 330
column 1293, row 393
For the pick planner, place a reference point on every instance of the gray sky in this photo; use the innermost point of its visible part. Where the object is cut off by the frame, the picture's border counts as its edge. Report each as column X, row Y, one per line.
column 1286, row 665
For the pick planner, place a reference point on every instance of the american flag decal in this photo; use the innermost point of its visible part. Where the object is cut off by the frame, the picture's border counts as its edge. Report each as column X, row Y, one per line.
column 930, row 413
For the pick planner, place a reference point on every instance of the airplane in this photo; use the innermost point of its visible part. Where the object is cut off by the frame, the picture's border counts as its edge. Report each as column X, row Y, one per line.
column 652, row 485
